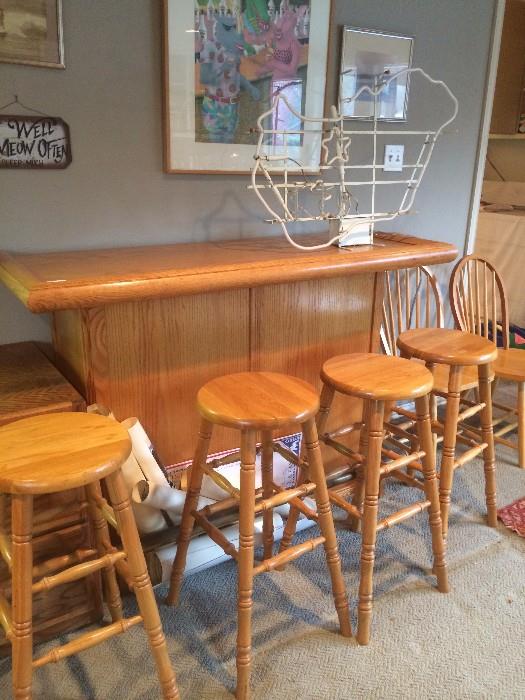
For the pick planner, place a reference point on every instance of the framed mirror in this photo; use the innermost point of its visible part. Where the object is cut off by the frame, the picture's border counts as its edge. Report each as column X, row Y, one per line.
column 367, row 57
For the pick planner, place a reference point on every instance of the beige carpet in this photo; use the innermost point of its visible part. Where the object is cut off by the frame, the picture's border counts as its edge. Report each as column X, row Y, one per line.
column 469, row 643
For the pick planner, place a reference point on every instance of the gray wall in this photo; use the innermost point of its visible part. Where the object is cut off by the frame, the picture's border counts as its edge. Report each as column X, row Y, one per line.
column 115, row 193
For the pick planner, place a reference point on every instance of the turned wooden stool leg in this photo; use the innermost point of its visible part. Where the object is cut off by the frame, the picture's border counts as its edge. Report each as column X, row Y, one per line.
column 326, row 525
column 190, row 504
column 327, row 397
column 431, row 492
column 487, row 435
column 22, row 597
column 246, row 558
column 521, row 424
column 141, row 583
column 448, row 456
column 433, row 408
column 359, row 493
column 267, row 490
column 103, row 542
column 369, row 524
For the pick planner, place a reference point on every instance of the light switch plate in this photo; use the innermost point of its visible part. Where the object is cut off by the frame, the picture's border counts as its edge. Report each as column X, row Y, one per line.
column 394, row 158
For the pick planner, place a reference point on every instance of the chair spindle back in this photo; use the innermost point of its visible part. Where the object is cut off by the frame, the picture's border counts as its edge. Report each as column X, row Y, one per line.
column 412, row 299
column 478, row 298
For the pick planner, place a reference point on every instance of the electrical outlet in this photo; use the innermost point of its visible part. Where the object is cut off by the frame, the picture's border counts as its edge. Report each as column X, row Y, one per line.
column 394, row 158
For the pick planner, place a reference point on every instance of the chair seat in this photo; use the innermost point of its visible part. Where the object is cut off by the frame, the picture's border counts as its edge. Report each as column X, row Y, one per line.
column 60, row 451
column 446, row 346
column 510, row 364
column 258, row 400
column 379, row 377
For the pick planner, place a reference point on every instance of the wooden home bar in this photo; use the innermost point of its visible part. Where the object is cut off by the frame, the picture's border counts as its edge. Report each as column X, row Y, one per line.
column 260, row 277
column 141, row 329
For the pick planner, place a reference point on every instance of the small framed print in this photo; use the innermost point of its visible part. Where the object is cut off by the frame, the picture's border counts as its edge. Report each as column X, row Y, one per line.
column 31, row 32
column 225, row 62
column 367, row 56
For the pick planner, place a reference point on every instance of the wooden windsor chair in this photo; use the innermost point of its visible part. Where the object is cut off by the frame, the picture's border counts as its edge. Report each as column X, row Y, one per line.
column 413, row 299
column 254, row 402
column 480, row 306
column 52, row 453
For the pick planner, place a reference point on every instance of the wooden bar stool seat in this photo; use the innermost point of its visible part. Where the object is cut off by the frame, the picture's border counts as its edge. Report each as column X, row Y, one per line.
column 459, row 350
column 251, row 402
column 52, row 453
column 379, row 379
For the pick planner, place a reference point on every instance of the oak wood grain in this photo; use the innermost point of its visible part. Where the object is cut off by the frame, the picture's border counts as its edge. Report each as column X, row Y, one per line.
column 447, row 346
column 30, row 384
column 74, row 279
column 56, row 452
column 378, row 377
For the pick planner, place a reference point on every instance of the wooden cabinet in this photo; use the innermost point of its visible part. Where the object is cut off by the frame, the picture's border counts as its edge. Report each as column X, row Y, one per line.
column 31, row 385
column 509, row 96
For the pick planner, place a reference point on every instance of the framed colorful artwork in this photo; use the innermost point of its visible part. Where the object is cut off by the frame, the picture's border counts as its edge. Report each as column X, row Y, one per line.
column 31, row 33
column 366, row 57
column 225, row 61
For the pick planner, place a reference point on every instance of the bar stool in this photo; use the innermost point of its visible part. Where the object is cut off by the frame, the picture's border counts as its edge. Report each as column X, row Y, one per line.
column 251, row 402
column 459, row 350
column 51, row 453
column 380, row 379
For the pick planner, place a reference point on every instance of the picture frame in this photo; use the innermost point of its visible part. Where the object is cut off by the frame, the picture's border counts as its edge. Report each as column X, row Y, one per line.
column 31, row 33
column 366, row 55
column 213, row 92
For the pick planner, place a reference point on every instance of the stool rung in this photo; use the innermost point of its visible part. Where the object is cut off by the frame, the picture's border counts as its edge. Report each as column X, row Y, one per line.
column 5, row 549
column 283, row 497
column 503, row 407
column 87, row 640
column 469, row 412
column 403, row 434
column 342, row 449
column 403, row 514
column 394, row 455
column 408, row 480
column 469, row 454
column 506, row 429
column 301, row 507
column 504, row 441
column 344, row 430
column 66, row 560
column 223, row 505
column 74, row 573
column 406, row 413
column 215, row 534
column 287, row 454
column 400, row 462
column 221, row 481
column 5, row 616
column 288, row 555
column 398, row 444
column 107, row 512
column 340, row 502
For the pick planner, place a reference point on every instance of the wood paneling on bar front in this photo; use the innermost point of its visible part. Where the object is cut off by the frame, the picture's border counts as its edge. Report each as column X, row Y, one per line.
column 142, row 329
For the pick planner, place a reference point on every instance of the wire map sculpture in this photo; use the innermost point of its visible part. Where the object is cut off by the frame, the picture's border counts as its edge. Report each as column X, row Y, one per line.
column 331, row 193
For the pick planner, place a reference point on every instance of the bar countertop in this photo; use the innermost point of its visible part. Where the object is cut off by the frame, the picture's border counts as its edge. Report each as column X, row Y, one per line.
column 53, row 281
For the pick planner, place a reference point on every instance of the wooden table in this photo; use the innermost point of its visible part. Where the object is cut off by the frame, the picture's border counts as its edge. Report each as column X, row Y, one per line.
column 141, row 329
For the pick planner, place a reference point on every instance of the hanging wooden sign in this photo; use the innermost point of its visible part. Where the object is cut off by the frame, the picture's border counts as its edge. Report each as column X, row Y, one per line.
column 34, row 142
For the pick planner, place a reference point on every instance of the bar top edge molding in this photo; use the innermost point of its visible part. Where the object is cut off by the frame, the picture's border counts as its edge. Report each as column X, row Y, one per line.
column 53, row 281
